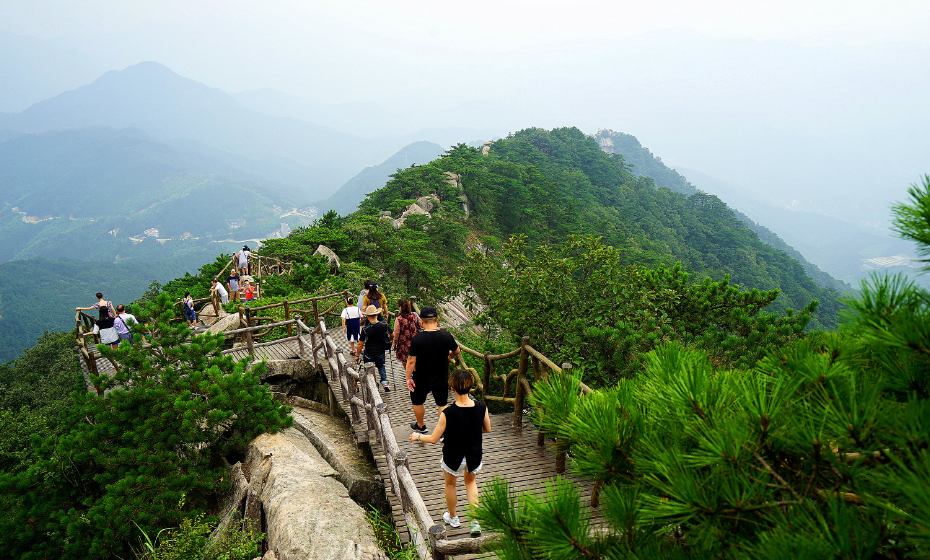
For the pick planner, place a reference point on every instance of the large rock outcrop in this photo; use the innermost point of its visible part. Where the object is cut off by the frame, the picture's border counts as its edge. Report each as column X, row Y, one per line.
column 329, row 254
column 226, row 322
column 411, row 210
column 307, row 512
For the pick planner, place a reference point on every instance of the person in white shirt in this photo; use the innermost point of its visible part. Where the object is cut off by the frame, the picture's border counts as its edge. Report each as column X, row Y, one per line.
column 244, row 255
column 351, row 324
column 123, row 322
column 107, row 331
column 218, row 288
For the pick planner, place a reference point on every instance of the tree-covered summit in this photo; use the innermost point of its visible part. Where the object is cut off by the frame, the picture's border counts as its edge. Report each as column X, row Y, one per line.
column 548, row 184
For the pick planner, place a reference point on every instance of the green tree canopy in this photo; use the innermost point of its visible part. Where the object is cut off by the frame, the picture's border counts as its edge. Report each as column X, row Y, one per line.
column 157, row 434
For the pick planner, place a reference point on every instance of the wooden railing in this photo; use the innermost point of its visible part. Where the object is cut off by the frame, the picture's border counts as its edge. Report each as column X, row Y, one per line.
column 519, row 379
column 261, row 266
column 362, row 399
column 318, row 308
column 361, row 396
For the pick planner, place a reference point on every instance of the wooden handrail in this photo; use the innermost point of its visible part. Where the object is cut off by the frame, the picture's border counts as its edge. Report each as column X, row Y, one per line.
column 377, row 419
column 363, row 399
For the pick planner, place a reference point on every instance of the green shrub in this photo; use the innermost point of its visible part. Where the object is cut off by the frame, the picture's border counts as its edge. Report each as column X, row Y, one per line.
column 191, row 541
column 168, row 416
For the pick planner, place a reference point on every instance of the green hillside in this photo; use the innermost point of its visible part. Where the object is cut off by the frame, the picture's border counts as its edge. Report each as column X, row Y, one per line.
column 550, row 184
column 644, row 163
column 90, row 194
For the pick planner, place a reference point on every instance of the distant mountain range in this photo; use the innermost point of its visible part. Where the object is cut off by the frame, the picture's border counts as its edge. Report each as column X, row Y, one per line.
column 313, row 159
column 152, row 98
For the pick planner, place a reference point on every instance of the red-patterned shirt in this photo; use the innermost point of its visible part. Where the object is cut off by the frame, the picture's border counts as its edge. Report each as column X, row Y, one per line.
column 407, row 326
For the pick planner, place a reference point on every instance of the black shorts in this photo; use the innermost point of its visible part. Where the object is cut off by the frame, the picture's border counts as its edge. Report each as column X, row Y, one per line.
column 440, row 390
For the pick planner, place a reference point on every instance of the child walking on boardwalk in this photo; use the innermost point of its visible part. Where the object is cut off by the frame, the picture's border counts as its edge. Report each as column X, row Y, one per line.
column 461, row 426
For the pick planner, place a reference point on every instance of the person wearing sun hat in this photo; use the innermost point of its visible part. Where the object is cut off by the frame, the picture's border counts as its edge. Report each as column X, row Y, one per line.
column 374, row 340
column 427, row 368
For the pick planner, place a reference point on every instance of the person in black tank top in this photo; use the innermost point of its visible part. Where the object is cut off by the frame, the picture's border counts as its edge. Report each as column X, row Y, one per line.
column 461, row 425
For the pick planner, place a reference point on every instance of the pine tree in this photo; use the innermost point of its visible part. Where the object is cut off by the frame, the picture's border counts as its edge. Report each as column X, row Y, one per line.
column 582, row 303
column 172, row 411
column 820, row 450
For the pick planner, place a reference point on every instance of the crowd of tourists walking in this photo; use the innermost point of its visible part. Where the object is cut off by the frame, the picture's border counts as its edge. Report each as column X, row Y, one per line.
column 424, row 351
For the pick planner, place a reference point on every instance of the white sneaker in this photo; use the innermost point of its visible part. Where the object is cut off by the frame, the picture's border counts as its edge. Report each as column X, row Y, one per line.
column 475, row 528
column 451, row 521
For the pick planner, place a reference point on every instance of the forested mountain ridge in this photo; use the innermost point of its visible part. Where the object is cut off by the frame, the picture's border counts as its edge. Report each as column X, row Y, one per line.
column 644, row 163
column 547, row 185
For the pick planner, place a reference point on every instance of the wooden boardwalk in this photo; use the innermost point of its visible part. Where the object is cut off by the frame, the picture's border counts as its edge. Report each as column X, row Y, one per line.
column 509, row 452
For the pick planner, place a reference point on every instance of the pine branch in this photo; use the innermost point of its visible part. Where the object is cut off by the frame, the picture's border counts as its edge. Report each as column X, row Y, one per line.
column 785, row 485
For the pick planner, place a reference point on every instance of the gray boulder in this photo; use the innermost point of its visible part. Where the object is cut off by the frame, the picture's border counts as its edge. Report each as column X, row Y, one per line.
column 228, row 322
column 307, row 510
column 413, row 209
column 428, row 203
column 329, row 254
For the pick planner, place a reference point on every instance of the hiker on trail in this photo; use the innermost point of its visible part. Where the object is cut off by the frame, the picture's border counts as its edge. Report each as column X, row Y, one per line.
column 187, row 304
column 376, row 298
column 248, row 291
column 107, row 330
column 351, row 324
column 406, row 325
column 461, row 425
column 427, row 369
column 218, row 288
column 233, row 282
column 123, row 322
column 103, row 306
column 375, row 340
column 244, row 258
column 361, row 296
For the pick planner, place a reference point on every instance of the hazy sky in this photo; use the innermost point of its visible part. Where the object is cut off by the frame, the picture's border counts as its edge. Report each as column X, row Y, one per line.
column 489, row 24
column 792, row 98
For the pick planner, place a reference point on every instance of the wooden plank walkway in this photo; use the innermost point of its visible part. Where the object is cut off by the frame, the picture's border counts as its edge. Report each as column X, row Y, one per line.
column 509, row 452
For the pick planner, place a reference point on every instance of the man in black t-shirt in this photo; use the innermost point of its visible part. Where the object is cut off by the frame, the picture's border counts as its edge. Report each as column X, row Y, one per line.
column 428, row 366
column 373, row 341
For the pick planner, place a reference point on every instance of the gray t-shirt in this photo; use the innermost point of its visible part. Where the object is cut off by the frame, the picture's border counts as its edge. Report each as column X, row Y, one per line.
column 233, row 283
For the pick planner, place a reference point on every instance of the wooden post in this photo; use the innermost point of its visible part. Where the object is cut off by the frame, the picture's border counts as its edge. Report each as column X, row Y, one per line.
column 287, row 316
column 487, row 373
column 519, row 393
column 316, row 360
column 333, row 402
column 560, row 456
column 400, row 460
column 437, row 533
column 370, row 371
column 248, row 342
column 300, row 344
column 248, row 316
